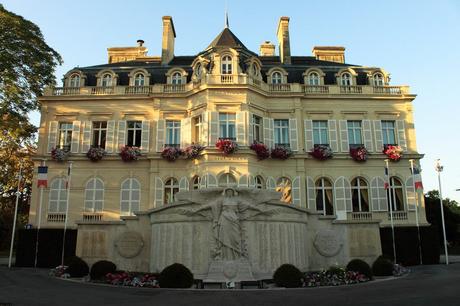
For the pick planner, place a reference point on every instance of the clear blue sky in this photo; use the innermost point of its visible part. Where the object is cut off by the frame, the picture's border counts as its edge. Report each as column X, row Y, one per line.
column 418, row 42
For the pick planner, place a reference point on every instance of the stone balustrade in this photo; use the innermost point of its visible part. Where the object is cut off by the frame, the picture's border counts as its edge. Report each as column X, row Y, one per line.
column 56, row 217
column 361, row 216
column 89, row 216
column 398, row 215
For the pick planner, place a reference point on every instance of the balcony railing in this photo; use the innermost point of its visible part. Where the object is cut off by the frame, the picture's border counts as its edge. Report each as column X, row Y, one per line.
column 90, row 216
column 316, row 89
column 286, row 87
column 361, row 216
column 56, row 217
column 398, row 215
column 351, row 89
column 168, row 88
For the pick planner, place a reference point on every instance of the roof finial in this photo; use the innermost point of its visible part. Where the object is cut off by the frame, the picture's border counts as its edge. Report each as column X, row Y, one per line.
column 226, row 15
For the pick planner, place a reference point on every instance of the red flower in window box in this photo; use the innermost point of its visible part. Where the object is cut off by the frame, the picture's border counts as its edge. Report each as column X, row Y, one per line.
column 171, row 153
column 95, row 154
column 359, row 154
column 281, row 152
column 394, row 153
column 193, row 151
column 227, row 146
column 321, row 152
column 261, row 150
column 129, row 153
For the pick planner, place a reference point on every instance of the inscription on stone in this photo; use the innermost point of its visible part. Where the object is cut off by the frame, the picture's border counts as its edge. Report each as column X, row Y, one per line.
column 129, row 244
column 327, row 243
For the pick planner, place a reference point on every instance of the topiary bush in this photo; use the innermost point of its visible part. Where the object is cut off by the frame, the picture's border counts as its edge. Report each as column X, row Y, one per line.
column 382, row 267
column 101, row 268
column 288, row 276
column 176, row 276
column 358, row 265
column 76, row 267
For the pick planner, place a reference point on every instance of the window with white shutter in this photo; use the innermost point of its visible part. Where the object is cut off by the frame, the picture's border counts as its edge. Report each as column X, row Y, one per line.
column 344, row 147
column 296, row 194
column 213, row 128
column 411, row 197
column 308, row 126
column 159, row 189
column 333, row 140
column 378, row 194
column 185, row 132
column 268, row 131
column 243, row 181
column 211, row 180
column 271, row 183
column 52, row 135
column 378, row 135
column 401, row 134
column 342, row 193
column 145, row 137
column 183, row 184
column 110, row 141
column 86, row 142
column 293, row 138
column 367, row 133
column 161, row 129
column 241, row 128
column 204, row 140
column 311, row 193
column 121, row 137
column 75, row 145
column 130, row 197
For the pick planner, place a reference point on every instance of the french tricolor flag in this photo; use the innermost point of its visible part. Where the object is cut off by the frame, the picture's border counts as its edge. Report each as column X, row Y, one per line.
column 42, row 176
column 417, row 178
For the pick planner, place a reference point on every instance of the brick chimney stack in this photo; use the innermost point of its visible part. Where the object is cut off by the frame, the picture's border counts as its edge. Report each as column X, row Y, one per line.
column 283, row 40
column 167, row 44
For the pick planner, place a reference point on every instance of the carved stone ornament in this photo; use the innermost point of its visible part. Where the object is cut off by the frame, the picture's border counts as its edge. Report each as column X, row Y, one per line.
column 129, row 244
column 327, row 243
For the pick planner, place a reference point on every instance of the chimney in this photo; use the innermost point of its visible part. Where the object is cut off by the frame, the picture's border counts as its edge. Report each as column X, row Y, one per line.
column 267, row 49
column 329, row 53
column 167, row 44
column 123, row 54
column 283, row 40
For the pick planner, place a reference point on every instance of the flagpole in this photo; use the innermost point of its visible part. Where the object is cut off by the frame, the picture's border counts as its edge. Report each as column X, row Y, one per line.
column 69, row 176
column 416, row 210
column 39, row 223
column 15, row 215
column 439, row 169
column 391, row 211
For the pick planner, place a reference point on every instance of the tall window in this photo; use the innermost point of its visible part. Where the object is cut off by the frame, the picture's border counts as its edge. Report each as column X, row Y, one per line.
column 227, row 180
column 58, row 196
column 65, row 135
column 130, row 196
column 277, row 78
column 134, row 133
column 354, row 132
column 107, row 80
column 171, row 188
column 196, row 182
column 176, row 78
column 139, row 79
column 197, row 126
column 324, row 199
column 395, row 192
column 283, row 186
column 227, row 125
column 320, row 132
column 99, row 134
column 226, row 65
column 313, row 79
column 360, row 194
column 257, row 128
column 259, row 182
column 172, row 133
column 345, row 79
column 94, row 195
column 74, row 80
column 281, row 132
column 378, row 79
column 388, row 132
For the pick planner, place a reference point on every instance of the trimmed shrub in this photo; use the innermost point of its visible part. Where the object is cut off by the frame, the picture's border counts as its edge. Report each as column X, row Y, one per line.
column 288, row 276
column 382, row 267
column 101, row 268
column 358, row 265
column 77, row 267
column 176, row 276
column 335, row 270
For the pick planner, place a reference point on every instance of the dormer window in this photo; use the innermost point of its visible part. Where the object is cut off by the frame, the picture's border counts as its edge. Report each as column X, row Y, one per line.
column 74, row 80
column 255, row 70
column 277, row 78
column 313, row 79
column 107, row 80
column 345, row 79
column 198, row 70
column 139, row 79
column 176, row 78
column 226, row 65
column 378, row 79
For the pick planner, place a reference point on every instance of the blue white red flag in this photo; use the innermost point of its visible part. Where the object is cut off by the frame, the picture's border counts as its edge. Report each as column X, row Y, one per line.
column 417, row 178
column 42, row 176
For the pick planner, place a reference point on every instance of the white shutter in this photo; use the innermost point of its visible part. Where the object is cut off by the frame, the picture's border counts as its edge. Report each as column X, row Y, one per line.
column 121, row 139
column 159, row 192
column 268, row 132
column 296, row 194
column 75, row 144
column 344, row 147
column 272, row 131
column 86, row 143
column 251, row 181
column 161, row 131
column 367, row 133
column 378, row 194
column 401, row 134
column 211, row 180
column 271, row 184
column 308, row 125
column 202, row 182
column 333, row 141
column 241, row 128
column 342, row 195
column 251, row 129
column 410, row 194
column 243, row 181
column 183, row 184
column 213, row 128
column 52, row 135
column 145, row 138
column 378, row 136
column 293, row 140
column 185, row 132
column 204, row 129
column 311, row 193
column 109, row 142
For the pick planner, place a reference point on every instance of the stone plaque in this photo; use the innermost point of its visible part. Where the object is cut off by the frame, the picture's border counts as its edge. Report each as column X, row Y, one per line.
column 129, row 244
column 327, row 243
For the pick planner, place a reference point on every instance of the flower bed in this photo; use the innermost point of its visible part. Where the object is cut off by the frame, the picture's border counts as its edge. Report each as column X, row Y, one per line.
column 321, row 152
column 171, row 153
column 95, row 154
column 359, row 154
column 129, row 153
column 394, row 153
column 336, row 277
column 193, row 151
column 132, row 279
column 59, row 154
column 227, row 146
column 281, row 152
column 261, row 150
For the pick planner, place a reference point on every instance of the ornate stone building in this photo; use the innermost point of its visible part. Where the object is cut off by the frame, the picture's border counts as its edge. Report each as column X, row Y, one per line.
column 227, row 92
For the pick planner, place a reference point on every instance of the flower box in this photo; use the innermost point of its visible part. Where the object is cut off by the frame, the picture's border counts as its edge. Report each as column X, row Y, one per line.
column 261, row 150
column 227, row 146
column 359, row 153
column 59, row 154
column 193, row 151
column 128, row 154
column 394, row 153
column 95, row 154
column 281, row 152
column 171, row 153
column 321, row 152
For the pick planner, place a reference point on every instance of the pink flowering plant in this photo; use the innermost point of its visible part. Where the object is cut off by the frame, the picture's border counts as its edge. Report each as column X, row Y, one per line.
column 394, row 153
column 132, row 279
column 261, row 150
column 95, row 154
column 171, row 153
column 227, row 146
column 321, row 152
column 193, row 151
column 359, row 154
column 59, row 154
column 281, row 152
column 59, row 271
column 333, row 277
column 128, row 153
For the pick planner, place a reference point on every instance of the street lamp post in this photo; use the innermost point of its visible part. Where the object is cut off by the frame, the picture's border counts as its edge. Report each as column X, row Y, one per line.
column 15, row 214
column 438, row 168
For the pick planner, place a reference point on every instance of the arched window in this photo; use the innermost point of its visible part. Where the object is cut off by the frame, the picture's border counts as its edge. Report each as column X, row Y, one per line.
column 259, row 182
column 139, row 79
column 226, row 65
column 360, row 194
column 283, row 185
column 345, row 79
column 198, row 70
column 171, row 188
column 130, row 197
column 94, row 195
column 196, row 182
column 277, row 78
column 74, row 80
column 378, row 79
column 107, row 80
column 227, row 180
column 313, row 79
column 395, row 195
column 255, row 70
column 176, row 78
column 58, row 196
column 324, row 197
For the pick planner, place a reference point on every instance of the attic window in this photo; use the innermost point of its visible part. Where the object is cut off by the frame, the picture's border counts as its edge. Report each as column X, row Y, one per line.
column 139, row 79
column 378, row 79
column 176, row 78
column 226, row 65
column 345, row 79
column 277, row 78
column 74, row 80
column 106, row 80
column 313, row 79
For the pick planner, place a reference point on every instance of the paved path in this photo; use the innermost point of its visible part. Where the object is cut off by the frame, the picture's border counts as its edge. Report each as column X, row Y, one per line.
column 426, row 285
